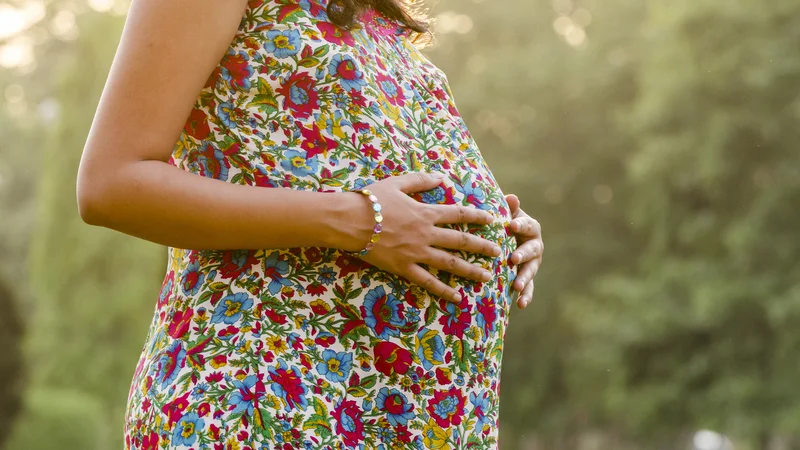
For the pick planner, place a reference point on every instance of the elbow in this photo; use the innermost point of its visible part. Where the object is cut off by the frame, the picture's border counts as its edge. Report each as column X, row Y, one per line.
column 90, row 194
column 88, row 204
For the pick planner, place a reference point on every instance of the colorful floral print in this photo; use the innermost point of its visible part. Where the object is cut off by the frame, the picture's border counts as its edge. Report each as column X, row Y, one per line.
column 312, row 348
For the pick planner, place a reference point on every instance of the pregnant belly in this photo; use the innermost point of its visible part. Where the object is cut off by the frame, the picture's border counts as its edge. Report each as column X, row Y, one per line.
column 302, row 275
column 316, row 161
column 297, row 303
column 348, row 332
column 328, row 298
column 469, row 182
column 308, row 271
column 322, row 331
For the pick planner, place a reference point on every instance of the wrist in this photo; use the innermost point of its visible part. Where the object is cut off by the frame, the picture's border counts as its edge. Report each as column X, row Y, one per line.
column 351, row 222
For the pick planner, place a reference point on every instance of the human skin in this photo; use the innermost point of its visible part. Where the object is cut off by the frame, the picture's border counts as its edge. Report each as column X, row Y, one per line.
column 528, row 255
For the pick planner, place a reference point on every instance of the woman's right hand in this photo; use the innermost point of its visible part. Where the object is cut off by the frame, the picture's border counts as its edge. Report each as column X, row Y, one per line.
column 410, row 235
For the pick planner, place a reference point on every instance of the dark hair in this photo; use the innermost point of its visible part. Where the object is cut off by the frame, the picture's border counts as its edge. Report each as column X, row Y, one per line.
column 343, row 12
column 11, row 365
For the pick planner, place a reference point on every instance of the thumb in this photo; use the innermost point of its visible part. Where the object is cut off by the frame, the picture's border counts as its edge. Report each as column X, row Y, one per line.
column 419, row 181
column 513, row 203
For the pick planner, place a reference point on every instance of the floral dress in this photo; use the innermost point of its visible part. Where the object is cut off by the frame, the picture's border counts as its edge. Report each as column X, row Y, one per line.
column 313, row 348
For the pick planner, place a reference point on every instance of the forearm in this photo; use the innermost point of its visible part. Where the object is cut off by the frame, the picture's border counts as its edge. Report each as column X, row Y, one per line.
column 161, row 203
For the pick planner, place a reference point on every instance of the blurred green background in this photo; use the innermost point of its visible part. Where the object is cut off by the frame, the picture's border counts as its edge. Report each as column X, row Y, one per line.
column 656, row 141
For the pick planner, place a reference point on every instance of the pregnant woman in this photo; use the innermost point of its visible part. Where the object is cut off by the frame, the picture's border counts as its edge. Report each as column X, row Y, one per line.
column 342, row 261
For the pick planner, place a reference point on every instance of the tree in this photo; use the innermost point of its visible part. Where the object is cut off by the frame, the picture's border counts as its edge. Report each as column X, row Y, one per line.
column 700, row 330
column 94, row 289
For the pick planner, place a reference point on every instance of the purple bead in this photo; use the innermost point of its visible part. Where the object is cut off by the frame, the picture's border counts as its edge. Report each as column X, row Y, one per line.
column 373, row 199
column 369, row 246
column 378, row 228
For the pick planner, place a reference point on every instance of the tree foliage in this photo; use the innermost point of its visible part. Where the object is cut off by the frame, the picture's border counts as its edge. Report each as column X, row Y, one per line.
column 715, row 182
column 94, row 289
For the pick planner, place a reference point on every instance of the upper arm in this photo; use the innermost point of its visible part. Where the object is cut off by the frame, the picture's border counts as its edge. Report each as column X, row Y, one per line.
column 167, row 52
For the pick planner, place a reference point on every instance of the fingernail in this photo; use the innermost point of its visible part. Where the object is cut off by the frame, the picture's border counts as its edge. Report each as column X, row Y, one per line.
column 497, row 251
column 456, row 297
column 519, row 256
column 522, row 281
column 486, row 276
column 439, row 175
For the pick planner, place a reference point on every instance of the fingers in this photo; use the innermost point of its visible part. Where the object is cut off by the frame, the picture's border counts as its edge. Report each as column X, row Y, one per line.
column 513, row 204
column 527, row 295
column 458, row 240
column 449, row 262
column 461, row 214
column 430, row 283
column 528, row 251
column 418, row 181
column 525, row 274
column 526, row 226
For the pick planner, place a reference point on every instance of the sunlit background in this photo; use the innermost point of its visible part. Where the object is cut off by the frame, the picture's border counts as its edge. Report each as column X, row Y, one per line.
column 656, row 141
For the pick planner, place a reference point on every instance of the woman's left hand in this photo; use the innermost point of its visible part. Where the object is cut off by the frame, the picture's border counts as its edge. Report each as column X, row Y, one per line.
column 528, row 255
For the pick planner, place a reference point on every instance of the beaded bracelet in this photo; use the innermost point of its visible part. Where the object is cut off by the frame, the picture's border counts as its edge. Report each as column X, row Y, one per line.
column 378, row 219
